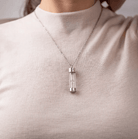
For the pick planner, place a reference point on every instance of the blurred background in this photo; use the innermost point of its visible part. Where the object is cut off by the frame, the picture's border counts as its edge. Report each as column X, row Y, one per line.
column 13, row 9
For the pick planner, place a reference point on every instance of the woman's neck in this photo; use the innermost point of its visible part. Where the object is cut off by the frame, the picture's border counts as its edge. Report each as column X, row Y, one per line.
column 59, row 6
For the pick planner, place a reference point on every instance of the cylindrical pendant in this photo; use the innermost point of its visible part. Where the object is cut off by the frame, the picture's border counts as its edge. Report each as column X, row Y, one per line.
column 72, row 80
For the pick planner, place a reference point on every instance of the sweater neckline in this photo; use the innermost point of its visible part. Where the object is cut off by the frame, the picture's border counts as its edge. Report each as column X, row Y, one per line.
column 67, row 22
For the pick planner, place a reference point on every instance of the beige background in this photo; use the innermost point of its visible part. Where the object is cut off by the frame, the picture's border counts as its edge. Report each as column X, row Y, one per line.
column 14, row 8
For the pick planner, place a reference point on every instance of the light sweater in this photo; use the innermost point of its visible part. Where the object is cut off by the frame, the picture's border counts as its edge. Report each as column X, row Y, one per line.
column 35, row 102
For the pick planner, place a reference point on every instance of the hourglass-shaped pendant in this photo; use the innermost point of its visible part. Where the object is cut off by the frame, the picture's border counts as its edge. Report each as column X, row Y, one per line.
column 72, row 80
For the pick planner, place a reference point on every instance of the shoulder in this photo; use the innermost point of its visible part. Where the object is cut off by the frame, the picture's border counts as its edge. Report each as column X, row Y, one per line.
column 20, row 26
column 18, row 33
column 22, row 22
column 19, row 30
column 115, row 23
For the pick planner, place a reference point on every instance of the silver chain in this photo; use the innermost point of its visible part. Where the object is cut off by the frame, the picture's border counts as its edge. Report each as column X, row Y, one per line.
column 82, row 47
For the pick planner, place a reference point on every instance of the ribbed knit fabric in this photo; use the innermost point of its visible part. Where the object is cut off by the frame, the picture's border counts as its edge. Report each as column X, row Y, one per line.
column 35, row 102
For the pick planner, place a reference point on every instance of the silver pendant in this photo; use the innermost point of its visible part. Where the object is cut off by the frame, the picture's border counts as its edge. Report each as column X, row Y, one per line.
column 72, row 80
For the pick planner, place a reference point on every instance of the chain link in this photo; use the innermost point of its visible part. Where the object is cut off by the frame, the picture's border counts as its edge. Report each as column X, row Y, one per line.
column 57, row 45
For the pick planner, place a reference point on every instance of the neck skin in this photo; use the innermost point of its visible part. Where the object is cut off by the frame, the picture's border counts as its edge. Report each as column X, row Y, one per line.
column 59, row 6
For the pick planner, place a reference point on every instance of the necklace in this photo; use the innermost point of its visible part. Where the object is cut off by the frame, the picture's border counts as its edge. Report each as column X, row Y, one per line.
column 72, row 72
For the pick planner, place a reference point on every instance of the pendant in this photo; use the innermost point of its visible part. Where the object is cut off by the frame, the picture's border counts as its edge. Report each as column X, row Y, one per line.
column 72, row 80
